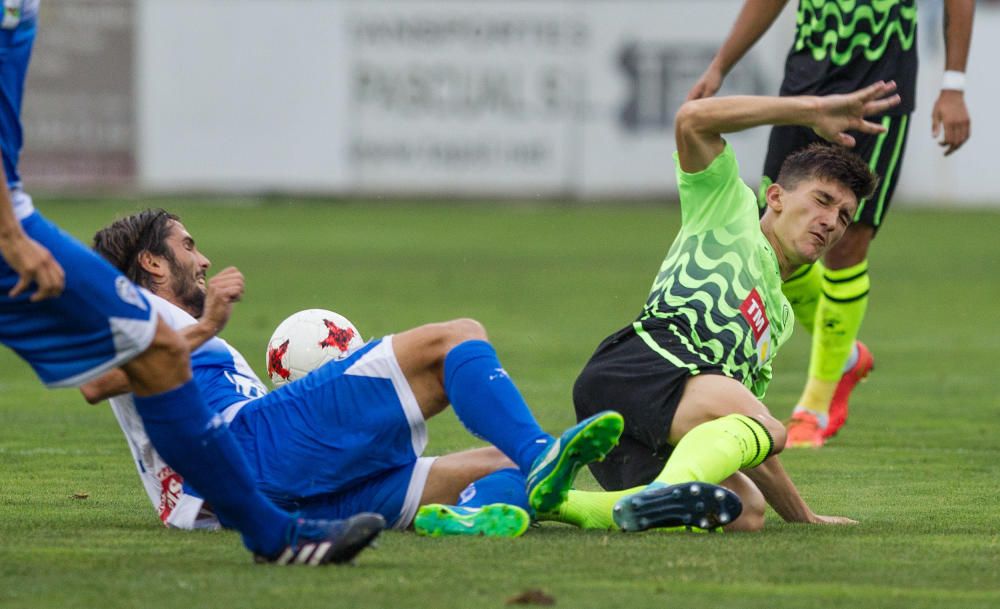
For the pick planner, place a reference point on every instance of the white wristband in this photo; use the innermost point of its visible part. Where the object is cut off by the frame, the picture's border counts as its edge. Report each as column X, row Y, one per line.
column 953, row 81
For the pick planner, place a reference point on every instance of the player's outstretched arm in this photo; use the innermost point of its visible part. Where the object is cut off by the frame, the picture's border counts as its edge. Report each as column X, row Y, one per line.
column 781, row 494
column 755, row 18
column 950, row 123
column 32, row 262
column 700, row 124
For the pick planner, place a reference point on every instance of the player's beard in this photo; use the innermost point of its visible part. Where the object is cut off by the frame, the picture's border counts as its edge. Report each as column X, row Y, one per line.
column 187, row 290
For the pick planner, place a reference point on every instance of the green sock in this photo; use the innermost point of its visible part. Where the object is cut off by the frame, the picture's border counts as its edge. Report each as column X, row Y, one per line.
column 713, row 451
column 589, row 510
column 839, row 314
column 803, row 290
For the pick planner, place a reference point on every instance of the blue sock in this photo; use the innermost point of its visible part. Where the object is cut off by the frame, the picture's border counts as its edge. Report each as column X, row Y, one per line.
column 199, row 447
column 504, row 486
column 489, row 405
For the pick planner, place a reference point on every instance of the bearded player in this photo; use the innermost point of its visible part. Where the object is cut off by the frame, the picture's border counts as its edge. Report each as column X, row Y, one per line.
column 349, row 436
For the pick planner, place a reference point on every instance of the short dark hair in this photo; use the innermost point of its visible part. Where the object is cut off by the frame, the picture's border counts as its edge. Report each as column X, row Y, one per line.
column 121, row 242
column 829, row 162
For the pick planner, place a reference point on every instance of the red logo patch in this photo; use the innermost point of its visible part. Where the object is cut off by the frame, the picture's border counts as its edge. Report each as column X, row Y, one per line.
column 274, row 355
column 753, row 311
column 171, row 486
column 338, row 337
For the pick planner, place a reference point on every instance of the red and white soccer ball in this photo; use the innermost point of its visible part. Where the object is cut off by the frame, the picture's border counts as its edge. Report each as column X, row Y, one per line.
column 306, row 340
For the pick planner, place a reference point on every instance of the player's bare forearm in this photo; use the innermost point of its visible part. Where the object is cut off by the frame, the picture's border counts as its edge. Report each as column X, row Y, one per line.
column 958, row 17
column 950, row 122
column 780, row 492
column 224, row 290
column 755, row 18
column 33, row 263
column 699, row 124
column 10, row 228
column 198, row 334
column 108, row 385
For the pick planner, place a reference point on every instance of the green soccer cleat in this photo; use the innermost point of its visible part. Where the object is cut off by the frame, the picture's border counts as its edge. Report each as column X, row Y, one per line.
column 494, row 520
column 689, row 504
column 554, row 471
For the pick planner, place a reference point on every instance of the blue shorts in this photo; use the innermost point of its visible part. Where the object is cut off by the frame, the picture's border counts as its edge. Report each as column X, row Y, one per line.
column 395, row 495
column 349, row 433
column 99, row 322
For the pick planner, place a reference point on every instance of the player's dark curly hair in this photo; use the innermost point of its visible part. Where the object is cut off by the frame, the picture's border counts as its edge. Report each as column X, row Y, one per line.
column 121, row 242
column 829, row 162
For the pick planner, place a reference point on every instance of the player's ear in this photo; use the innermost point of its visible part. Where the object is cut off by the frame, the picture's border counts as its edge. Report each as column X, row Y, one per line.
column 774, row 197
column 151, row 263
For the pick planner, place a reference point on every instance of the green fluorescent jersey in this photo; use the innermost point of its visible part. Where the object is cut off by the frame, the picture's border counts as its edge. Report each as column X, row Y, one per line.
column 716, row 304
column 844, row 45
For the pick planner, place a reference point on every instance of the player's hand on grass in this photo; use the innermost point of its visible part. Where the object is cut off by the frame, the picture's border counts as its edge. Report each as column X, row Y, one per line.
column 34, row 264
column 708, row 85
column 841, row 520
column 223, row 290
column 835, row 115
column 950, row 124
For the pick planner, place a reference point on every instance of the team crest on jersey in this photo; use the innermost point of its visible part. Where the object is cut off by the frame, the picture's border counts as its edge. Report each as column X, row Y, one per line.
column 128, row 293
column 753, row 311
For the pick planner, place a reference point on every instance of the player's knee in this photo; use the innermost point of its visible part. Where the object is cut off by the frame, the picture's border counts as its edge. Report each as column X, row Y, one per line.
column 751, row 520
column 455, row 332
column 164, row 365
column 466, row 329
column 778, row 433
column 431, row 344
column 754, row 505
column 168, row 357
column 169, row 346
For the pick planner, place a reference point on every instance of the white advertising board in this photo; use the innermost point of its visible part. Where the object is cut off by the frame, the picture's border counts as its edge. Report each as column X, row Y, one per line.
column 641, row 65
column 488, row 98
column 242, row 95
column 463, row 97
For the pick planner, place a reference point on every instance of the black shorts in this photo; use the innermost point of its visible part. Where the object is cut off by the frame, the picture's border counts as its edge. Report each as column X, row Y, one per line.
column 624, row 374
column 882, row 151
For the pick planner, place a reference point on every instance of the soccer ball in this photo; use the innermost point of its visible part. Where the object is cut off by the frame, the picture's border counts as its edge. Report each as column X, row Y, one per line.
column 307, row 340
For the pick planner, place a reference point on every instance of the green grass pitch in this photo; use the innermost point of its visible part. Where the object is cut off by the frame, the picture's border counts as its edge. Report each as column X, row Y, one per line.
column 918, row 464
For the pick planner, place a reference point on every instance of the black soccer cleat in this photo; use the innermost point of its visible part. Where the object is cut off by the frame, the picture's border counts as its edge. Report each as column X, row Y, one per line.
column 320, row 542
column 690, row 504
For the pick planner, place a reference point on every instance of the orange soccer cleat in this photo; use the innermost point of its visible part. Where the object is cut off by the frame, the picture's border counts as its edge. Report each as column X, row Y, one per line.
column 804, row 430
column 849, row 380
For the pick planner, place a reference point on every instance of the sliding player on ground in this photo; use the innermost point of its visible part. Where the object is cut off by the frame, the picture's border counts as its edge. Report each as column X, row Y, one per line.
column 689, row 374
column 349, row 436
column 840, row 47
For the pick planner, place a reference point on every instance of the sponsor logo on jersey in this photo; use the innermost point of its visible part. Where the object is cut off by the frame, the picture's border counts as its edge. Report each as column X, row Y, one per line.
column 128, row 293
column 754, row 313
